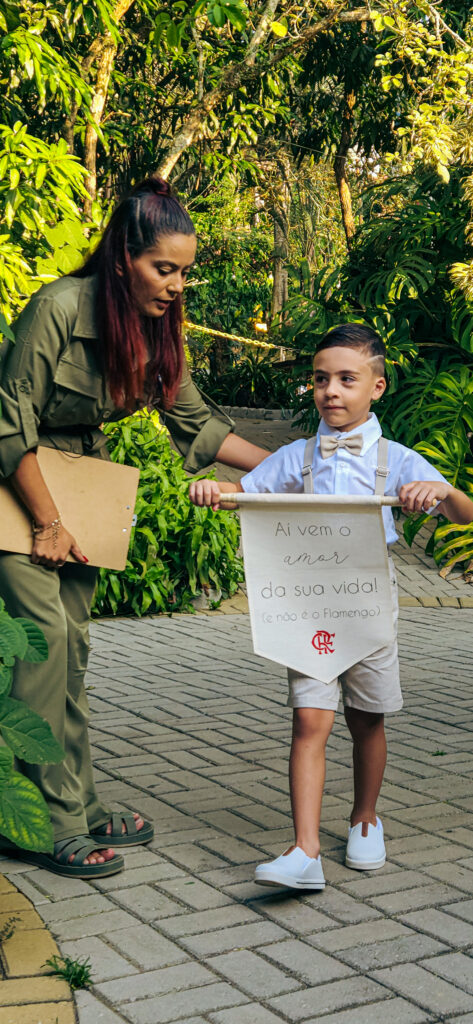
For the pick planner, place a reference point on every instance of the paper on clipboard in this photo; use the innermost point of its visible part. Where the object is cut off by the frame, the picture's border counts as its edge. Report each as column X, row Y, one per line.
column 96, row 501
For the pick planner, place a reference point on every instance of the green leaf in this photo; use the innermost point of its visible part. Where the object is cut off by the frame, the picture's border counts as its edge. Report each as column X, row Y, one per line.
column 6, row 766
column 6, row 678
column 37, row 649
column 217, row 16
column 27, row 734
column 24, row 815
column 13, row 639
column 278, row 29
column 172, row 35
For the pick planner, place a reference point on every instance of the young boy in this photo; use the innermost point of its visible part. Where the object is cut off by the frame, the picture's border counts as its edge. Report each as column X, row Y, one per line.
column 349, row 374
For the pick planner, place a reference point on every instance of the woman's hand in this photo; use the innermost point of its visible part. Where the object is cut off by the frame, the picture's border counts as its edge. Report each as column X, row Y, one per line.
column 52, row 551
column 422, row 495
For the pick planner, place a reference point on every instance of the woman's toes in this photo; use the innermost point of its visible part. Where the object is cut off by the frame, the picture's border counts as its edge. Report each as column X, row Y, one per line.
column 99, row 857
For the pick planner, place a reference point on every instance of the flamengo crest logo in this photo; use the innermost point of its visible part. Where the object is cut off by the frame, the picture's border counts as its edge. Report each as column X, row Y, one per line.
column 323, row 642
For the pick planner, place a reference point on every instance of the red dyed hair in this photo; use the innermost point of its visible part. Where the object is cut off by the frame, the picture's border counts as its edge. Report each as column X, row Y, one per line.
column 146, row 215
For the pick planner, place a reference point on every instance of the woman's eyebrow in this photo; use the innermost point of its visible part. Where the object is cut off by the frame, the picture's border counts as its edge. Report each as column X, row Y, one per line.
column 174, row 266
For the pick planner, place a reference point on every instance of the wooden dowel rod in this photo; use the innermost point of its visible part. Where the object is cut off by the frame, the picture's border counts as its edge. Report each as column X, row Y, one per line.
column 242, row 498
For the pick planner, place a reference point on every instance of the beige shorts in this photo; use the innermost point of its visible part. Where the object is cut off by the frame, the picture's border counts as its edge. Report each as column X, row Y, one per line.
column 371, row 685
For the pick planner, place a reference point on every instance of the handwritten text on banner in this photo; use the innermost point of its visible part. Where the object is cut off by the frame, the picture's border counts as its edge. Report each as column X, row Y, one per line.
column 318, row 584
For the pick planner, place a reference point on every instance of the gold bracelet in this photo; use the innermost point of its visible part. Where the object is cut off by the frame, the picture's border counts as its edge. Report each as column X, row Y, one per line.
column 54, row 526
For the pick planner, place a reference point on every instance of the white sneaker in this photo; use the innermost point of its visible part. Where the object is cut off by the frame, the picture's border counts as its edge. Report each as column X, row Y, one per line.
column 366, row 853
column 295, row 870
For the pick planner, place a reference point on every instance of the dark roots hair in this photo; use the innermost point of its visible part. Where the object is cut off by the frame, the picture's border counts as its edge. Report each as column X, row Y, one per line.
column 129, row 340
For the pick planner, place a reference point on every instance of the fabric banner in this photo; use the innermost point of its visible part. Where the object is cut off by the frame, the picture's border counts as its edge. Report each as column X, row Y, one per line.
column 318, row 580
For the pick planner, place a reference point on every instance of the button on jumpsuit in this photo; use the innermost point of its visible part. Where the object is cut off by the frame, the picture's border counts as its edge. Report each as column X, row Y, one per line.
column 53, row 392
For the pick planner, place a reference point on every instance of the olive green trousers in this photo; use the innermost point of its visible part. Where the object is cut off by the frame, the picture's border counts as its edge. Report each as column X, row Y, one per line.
column 59, row 602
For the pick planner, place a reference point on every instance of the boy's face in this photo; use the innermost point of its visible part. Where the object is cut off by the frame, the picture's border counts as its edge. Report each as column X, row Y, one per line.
column 345, row 385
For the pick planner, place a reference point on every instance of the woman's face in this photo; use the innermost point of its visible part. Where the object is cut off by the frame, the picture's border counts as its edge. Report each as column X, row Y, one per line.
column 159, row 274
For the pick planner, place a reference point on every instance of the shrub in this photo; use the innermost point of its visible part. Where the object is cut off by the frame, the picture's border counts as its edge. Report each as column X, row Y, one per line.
column 24, row 815
column 397, row 278
column 254, row 381
column 177, row 550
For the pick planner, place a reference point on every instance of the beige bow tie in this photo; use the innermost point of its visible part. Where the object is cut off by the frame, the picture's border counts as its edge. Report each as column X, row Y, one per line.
column 329, row 444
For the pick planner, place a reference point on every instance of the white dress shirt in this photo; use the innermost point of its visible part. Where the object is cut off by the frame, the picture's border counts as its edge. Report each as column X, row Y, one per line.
column 343, row 472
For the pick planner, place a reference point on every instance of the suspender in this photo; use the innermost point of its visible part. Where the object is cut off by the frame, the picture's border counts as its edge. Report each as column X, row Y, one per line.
column 381, row 468
column 307, row 476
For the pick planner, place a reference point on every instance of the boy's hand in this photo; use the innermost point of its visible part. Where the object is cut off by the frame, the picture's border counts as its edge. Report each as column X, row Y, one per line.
column 205, row 492
column 421, row 495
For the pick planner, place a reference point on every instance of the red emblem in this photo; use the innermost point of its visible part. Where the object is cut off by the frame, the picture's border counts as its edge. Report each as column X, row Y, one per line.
column 323, row 642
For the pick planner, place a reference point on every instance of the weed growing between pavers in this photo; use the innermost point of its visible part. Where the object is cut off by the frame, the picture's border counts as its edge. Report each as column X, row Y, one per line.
column 76, row 972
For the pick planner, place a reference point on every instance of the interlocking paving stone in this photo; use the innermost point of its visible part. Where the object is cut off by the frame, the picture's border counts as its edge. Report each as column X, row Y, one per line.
column 253, row 974
column 246, row 936
column 153, row 983
column 391, row 1011
column 425, row 988
column 93, row 1011
column 358, row 935
column 182, row 1005
column 441, row 925
column 105, row 962
column 191, row 728
column 463, row 909
column 454, row 967
column 252, row 1013
column 402, row 949
column 323, row 998
column 308, row 964
column 146, row 948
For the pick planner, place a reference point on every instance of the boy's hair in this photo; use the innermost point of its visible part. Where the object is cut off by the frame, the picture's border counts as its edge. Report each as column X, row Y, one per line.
column 357, row 336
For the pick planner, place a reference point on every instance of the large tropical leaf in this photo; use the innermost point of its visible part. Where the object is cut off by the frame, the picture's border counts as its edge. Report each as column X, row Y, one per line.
column 24, row 815
column 13, row 639
column 37, row 649
column 27, row 734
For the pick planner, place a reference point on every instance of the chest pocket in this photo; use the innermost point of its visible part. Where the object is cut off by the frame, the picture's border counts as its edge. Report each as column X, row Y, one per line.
column 78, row 397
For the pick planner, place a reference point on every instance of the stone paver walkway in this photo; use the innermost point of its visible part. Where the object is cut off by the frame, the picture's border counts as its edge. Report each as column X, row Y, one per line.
column 191, row 727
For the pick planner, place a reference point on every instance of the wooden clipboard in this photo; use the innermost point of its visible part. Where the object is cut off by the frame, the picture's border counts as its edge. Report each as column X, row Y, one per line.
column 96, row 501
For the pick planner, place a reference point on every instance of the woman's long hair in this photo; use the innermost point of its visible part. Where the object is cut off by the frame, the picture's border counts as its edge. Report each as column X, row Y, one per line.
column 142, row 356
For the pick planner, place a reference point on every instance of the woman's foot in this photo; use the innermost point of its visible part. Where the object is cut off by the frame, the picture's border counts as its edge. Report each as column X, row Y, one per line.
column 124, row 829
column 138, row 822
column 74, row 857
column 97, row 857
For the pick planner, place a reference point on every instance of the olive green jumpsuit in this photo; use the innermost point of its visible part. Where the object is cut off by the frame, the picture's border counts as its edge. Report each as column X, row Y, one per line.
column 53, row 392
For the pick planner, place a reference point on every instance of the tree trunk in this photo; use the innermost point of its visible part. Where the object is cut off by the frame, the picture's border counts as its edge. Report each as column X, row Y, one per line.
column 340, row 166
column 248, row 71
column 280, row 254
column 105, row 50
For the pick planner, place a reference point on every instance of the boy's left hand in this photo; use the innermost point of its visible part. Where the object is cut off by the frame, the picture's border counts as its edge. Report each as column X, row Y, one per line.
column 205, row 492
column 422, row 495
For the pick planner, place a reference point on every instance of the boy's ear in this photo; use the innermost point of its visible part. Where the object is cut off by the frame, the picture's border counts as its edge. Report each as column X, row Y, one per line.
column 379, row 388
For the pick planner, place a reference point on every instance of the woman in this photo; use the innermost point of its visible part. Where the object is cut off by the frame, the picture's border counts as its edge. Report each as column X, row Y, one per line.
column 91, row 347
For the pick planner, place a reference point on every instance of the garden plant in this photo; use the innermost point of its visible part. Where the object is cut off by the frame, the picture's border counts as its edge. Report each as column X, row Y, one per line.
column 24, row 816
column 177, row 551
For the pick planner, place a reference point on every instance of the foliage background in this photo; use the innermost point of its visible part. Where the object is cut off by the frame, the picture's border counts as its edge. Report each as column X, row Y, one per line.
column 177, row 550
column 325, row 151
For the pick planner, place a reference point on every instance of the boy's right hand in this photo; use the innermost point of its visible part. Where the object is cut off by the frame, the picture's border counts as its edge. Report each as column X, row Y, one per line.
column 205, row 492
